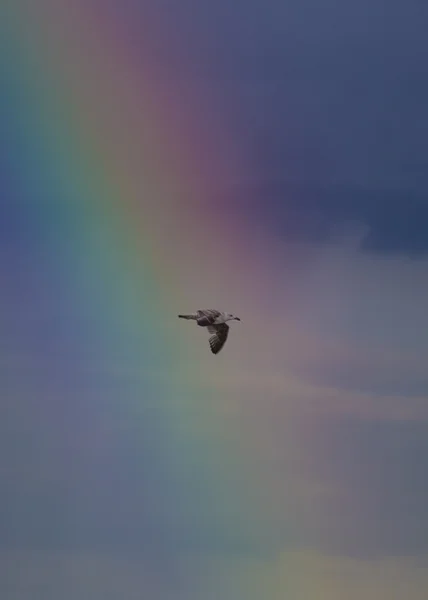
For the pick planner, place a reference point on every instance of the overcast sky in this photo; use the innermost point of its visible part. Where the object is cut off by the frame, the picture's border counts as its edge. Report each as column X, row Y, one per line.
column 326, row 105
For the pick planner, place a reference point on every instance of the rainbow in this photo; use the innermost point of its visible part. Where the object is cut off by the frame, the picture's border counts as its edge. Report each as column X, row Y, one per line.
column 118, row 174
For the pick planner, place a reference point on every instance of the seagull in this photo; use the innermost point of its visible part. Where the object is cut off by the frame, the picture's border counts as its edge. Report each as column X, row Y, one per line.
column 215, row 322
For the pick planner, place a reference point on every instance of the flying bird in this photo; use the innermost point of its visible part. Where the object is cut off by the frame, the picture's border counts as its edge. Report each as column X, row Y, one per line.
column 216, row 324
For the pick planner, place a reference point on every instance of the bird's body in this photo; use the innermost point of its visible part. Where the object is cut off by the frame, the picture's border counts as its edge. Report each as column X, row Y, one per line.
column 216, row 324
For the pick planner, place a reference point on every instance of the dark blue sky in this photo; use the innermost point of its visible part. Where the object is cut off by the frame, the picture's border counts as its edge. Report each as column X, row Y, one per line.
column 332, row 106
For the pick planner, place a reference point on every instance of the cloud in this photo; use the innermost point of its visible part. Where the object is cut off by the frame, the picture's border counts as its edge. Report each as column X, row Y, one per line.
column 331, row 340
column 310, row 574
column 301, row 575
column 326, row 374
column 89, row 576
column 310, row 429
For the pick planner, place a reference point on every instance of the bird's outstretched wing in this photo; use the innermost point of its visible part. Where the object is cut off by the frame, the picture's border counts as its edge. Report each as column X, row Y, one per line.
column 218, row 339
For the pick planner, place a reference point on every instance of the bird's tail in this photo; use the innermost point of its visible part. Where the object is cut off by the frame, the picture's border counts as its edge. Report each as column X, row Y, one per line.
column 193, row 317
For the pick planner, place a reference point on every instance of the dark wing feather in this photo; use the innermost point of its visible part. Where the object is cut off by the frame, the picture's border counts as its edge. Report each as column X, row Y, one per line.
column 218, row 339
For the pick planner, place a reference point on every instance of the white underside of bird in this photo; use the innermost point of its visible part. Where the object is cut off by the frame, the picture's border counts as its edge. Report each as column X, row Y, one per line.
column 216, row 324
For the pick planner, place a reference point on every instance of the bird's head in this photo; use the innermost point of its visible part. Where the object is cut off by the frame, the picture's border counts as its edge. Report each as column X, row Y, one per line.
column 231, row 317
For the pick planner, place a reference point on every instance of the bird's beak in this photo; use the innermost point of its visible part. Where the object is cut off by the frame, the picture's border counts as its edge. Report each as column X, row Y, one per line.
column 237, row 319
